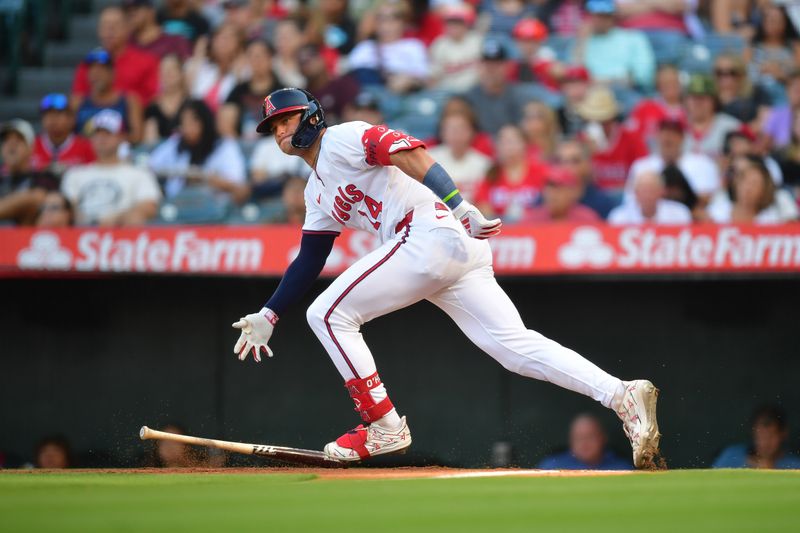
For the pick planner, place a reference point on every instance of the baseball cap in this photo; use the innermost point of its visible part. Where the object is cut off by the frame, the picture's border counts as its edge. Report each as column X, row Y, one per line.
column 493, row 50
column 701, row 84
column 22, row 127
column 98, row 55
column 530, row 30
column 600, row 7
column 561, row 177
column 107, row 119
column 599, row 105
column 231, row 4
column 54, row 102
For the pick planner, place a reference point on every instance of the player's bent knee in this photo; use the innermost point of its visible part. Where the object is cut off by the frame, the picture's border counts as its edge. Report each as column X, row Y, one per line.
column 316, row 314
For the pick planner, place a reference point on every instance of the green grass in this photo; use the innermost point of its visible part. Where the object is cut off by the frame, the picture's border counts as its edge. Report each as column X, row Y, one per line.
column 680, row 501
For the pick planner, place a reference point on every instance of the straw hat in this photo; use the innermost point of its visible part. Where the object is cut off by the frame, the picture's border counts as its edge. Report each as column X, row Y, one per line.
column 599, row 105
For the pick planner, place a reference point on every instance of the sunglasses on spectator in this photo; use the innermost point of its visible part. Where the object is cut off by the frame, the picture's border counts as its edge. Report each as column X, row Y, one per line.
column 721, row 72
column 54, row 102
column 569, row 160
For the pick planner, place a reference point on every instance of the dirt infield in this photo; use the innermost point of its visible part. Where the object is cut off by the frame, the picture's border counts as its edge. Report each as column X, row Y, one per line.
column 435, row 472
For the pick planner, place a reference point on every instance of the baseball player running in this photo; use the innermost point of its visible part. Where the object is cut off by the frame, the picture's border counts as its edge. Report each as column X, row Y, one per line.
column 433, row 247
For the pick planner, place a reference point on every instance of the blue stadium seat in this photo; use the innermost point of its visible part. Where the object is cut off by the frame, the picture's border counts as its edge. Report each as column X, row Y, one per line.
column 265, row 212
column 537, row 91
column 668, row 46
column 195, row 205
column 718, row 43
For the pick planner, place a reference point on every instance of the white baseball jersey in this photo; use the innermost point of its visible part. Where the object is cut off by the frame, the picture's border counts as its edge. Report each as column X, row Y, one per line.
column 430, row 257
column 347, row 191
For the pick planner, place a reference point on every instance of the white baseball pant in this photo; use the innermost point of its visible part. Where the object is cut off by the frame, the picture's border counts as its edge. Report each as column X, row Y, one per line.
column 433, row 258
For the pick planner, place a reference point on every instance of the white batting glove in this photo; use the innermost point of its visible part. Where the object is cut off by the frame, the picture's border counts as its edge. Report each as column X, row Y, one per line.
column 256, row 332
column 475, row 223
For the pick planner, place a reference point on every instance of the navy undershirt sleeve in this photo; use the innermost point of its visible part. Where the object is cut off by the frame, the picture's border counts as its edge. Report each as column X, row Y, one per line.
column 298, row 278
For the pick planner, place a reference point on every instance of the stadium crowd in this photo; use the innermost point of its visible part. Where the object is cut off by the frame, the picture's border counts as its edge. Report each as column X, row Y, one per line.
column 658, row 111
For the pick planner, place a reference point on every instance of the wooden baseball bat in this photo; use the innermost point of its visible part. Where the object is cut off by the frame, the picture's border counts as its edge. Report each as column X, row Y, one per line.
column 280, row 453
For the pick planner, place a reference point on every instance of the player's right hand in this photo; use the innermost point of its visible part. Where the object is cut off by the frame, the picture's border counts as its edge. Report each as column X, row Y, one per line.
column 256, row 332
column 475, row 223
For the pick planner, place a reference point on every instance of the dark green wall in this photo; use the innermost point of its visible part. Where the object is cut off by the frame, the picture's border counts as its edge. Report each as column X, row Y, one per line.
column 97, row 358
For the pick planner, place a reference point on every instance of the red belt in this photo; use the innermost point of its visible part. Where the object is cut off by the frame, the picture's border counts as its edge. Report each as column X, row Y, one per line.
column 405, row 222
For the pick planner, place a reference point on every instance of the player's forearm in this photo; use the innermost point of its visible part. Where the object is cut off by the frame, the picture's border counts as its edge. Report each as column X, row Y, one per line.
column 421, row 166
column 304, row 270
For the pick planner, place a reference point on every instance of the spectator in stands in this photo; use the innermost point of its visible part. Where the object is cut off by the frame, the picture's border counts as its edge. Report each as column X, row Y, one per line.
column 540, row 125
column 22, row 188
column 561, row 194
column 55, row 211
column 147, row 35
column 212, row 74
column 500, row 16
column 614, row 146
column 58, row 147
column 739, row 97
column 365, row 107
column 733, row 16
column 588, row 449
column 332, row 20
column 574, row 87
column 465, row 164
column 770, row 432
column 514, row 184
column 537, row 62
column 271, row 169
column 103, row 95
column 135, row 72
column 455, row 55
column 334, row 93
column 752, row 197
column 161, row 116
column 667, row 103
column 179, row 17
column 707, row 127
column 482, row 141
column 775, row 49
column 739, row 145
column 696, row 176
column 197, row 155
column 494, row 100
column 576, row 156
column 778, row 125
column 286, row 42
column 244, row 107
column 648, row 205
column 294, row 201
column 53, row 453
column 612, row 54
column 249, row 17
column 110, row 192
column 400, row 63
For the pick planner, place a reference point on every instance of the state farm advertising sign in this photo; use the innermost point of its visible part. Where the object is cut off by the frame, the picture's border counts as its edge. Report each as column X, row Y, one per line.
column 519, row 250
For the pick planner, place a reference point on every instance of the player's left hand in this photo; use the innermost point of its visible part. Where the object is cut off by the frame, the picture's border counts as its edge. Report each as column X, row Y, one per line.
column 475, row 223
column 256, row 332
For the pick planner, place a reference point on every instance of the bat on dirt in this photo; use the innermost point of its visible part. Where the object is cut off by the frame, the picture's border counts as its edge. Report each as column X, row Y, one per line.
column 280, row 453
